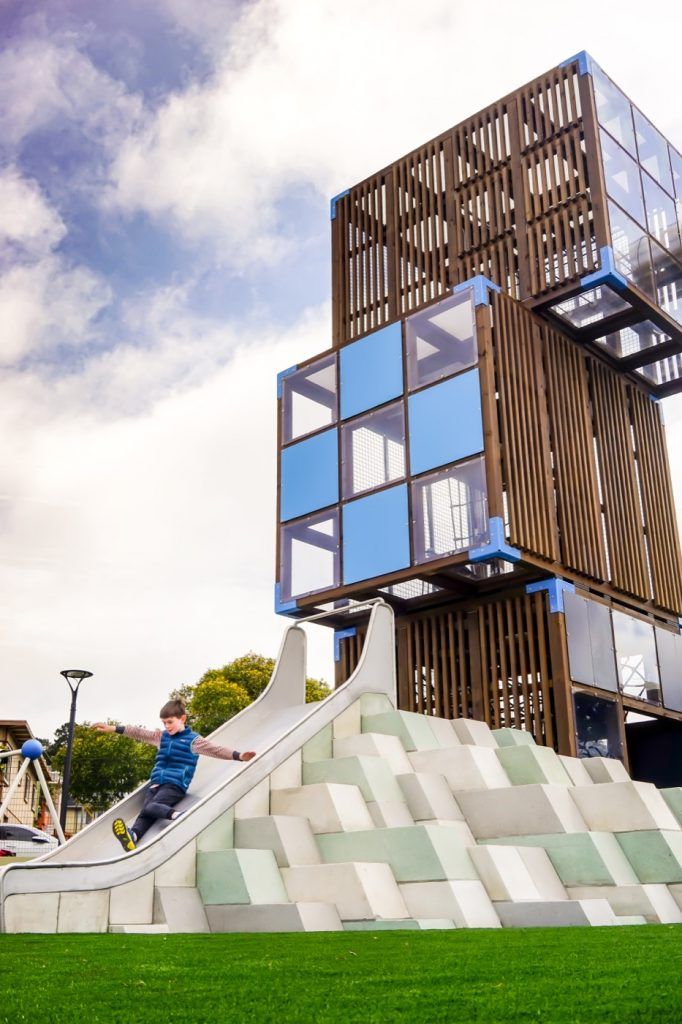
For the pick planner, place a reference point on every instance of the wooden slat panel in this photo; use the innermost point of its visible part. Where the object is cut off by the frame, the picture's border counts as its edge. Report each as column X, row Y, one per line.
column 658, row 504
column 523, row 429
column 575, row 469
column 623, row 519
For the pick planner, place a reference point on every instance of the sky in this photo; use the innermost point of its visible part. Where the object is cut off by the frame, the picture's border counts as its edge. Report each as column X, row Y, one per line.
column 165, row 176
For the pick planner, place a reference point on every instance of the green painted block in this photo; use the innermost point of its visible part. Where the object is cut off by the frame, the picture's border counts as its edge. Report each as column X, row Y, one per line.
column 416, row 853
column 219, row 835
column 371, row 775
column 320, row 747
column 530, row 764
column 656, row 855
column 580, row 858
column 239, row 876
column 673, row 798
column 513, row 738
column 412, row 729
column 375, row 703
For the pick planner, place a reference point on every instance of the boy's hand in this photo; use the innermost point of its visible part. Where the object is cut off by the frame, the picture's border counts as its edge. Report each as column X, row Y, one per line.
column 247, row 755
column 103, row 727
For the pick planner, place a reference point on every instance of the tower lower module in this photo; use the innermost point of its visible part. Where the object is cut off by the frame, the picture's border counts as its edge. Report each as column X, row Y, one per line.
column 491, row 468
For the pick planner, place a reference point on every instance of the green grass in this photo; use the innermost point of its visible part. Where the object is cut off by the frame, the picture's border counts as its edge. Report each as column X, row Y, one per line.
column 573, row 975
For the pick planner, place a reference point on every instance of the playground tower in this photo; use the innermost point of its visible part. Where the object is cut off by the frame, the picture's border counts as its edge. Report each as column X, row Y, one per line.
column 483, row 444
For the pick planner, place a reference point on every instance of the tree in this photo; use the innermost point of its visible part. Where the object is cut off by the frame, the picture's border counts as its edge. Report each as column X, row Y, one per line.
column 105, row 766
column 222, row 692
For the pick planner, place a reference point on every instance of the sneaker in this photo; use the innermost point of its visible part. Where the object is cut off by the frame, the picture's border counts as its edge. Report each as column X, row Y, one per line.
column 124, row 837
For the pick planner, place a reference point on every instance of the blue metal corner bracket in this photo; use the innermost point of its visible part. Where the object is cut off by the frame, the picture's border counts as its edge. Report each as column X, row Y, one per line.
column 334, row 201
column 607, row 273
column 584, row 62
column 481, row 286
column 496, row 547
column 339, row 635
column 281, row 376
column 556, row 588
column 283, row 607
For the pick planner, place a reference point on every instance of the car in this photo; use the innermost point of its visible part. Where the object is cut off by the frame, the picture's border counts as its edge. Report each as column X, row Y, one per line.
column 24, row 841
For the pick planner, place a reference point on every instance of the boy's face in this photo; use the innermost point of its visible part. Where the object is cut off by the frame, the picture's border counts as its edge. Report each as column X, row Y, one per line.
column 174, row 724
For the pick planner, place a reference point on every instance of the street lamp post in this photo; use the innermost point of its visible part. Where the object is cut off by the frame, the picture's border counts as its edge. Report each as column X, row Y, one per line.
column 72, row 676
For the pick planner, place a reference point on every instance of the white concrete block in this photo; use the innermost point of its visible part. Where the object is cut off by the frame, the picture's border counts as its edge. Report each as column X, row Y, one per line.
column 220, row 833
column 575, row 769
column 319, row 917
column 349, row 722
column 389, row 813
column 290, row 838
column 605, row 769
column 464, row 767
column 461, row 832
column 654, row 902
column 180, row 869
column 256, row 803
column 375, row 704
column 328, row 806
column 133, row 903
column 675, row 891
column 32, row 912
column 360, row 891
column 559, row 914
column 84, row 911
column 288, row 774
column 139, row 929
column 520, row 810
column 543, row 873
column 466, row 903
column 504, row 873
column 277, row 917
column 623, row 807
column 471, row 732
column 414, row 731
column 374, row 744
column 180, row 909
column 443, row 731
column 428, row 796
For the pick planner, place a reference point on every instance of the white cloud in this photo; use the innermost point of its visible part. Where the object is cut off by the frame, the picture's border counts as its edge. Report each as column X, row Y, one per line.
column 28, row 225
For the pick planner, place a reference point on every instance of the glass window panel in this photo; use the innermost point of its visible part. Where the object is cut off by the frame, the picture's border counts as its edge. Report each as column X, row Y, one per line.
column 450, row 510
column 441, row 341
column 668, row 280
column 590, row 307
column 633, row 339
column 636, row 657
column 310, row 555
column 631, row 250
column 622, row 178
column 373, row 448
column 669, row 646
column 591, row 652
column 309, row 399
column 613, row 110
column 676, row 162
column 596, row 724
column 653, row 152
column 661, row 215
column 664, row 371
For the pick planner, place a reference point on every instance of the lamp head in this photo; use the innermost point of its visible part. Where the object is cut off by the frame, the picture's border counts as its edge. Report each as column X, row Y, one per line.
column 77, row 674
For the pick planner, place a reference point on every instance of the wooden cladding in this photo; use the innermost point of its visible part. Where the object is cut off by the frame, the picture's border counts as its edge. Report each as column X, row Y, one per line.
column 505, row 194
column 583, row 460
column 435, row 665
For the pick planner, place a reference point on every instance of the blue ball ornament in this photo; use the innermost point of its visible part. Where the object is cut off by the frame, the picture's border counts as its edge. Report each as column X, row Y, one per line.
column 32, row 749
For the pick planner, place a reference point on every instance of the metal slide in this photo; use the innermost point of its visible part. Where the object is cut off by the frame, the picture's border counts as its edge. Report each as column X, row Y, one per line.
column 276, row 725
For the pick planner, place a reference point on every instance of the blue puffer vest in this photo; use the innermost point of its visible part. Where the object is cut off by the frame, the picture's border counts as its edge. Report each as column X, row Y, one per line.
column 175, row 763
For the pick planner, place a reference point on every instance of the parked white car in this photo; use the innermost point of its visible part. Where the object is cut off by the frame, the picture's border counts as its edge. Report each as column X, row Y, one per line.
column 24, row 841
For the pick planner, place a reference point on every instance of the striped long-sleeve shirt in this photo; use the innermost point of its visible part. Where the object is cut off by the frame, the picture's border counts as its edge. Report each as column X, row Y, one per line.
column 199, row 745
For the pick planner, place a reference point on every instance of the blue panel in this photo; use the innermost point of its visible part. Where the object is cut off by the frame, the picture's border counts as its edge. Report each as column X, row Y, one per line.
column 445, row 422
column 376, row 536
column 310, row 475
column 371, row 371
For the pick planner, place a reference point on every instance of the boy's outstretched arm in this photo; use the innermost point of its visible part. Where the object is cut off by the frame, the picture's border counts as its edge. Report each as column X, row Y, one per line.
column 135, row 732
column 208, row 749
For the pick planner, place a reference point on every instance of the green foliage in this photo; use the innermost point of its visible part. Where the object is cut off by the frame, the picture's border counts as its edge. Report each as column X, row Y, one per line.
column 222, row 692
column 105, row 766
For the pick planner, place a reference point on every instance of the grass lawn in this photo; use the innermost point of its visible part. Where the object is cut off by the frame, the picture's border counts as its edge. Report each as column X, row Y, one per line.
column 571, row 975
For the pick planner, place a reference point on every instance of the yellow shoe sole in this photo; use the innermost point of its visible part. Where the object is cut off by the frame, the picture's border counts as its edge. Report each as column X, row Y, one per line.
column 124, row 837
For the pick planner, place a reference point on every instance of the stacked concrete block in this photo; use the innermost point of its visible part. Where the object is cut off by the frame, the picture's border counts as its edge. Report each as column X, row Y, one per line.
column 372, row 776
column 655, row 903
column 623, row 807
column 465, row 902
column 520, row 811
column 275, row 917
column 512, row 738
column 239, row 876
column 473, row 733
column 464, row 767
column 417, row 853
column 673, row 798
column 414, row 731
column 508, row 875
column 576, row 770
column 290, row 838
column 361, row 891
column 329, row 807
column 580, row 858
column 656, row 855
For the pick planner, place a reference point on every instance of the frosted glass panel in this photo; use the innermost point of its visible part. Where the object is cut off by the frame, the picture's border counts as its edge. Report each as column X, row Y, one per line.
column 373, row 450
column 636, row 657
column 309, row 400
column 309, row 555
column 441, row 341
column 450, row 511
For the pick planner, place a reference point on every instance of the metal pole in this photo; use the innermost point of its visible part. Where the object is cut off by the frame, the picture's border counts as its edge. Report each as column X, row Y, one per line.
column 67, row 762
column 48, row 799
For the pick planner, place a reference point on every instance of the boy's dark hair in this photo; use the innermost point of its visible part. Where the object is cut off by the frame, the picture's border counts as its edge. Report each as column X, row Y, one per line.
column 173, row 709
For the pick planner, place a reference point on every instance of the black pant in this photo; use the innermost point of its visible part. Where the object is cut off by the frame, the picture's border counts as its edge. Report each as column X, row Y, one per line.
column 159, row 802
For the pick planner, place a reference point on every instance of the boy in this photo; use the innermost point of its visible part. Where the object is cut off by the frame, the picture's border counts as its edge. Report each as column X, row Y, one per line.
column 178, row 752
